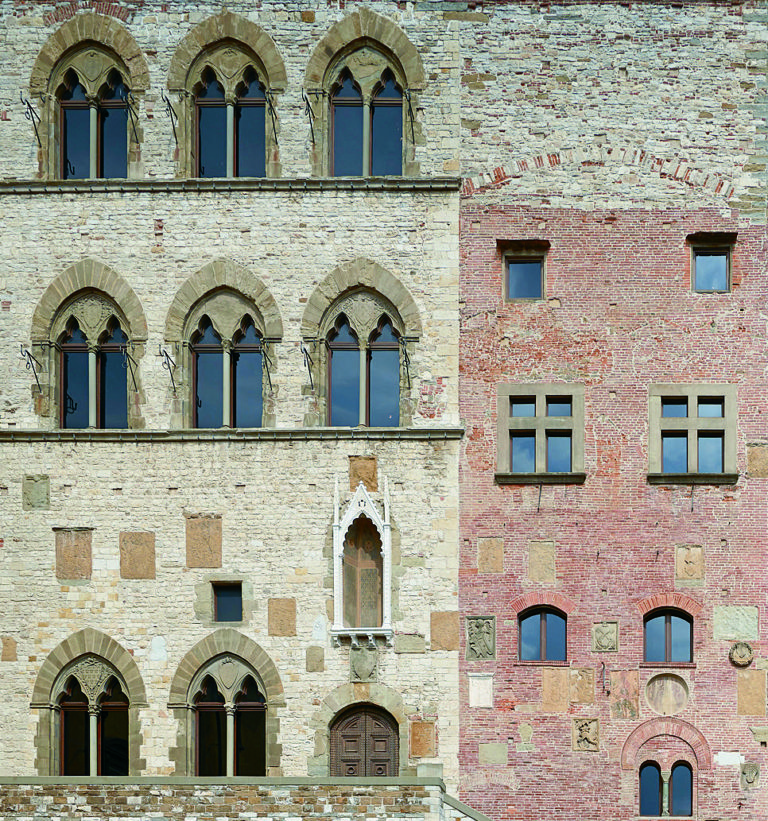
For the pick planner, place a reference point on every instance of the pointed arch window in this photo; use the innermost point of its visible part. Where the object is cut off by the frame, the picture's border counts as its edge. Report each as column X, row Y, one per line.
column 344, row 375
column 383, row 376
column 211, row 736
column 363, row 575
column 211, row 130
column 387, row 128
column 208, row 355
column 250, row 127
column 75, row 383
column 247, row 377
column 113, row 730
column 347, row 125
column 74, row 730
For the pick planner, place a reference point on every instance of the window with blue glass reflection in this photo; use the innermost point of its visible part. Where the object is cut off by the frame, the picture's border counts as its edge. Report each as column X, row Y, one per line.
column 668, row 637
column 74, row 378
column 347, row 124
column 387, row 129
column 112, row 378
column 250, row 128
column 113, row 129
column 343, row 375
column 542, row 635
column 681, row 789
column 208, row 356
column 384, row 376
column 211, row 127
column 650, row 789
column 711, row 270
column 524, row 278
column 247, row 371
column 75, row 142
column 674, row 452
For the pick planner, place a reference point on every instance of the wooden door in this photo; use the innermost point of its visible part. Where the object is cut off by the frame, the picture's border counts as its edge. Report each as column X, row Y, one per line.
column 364, row 742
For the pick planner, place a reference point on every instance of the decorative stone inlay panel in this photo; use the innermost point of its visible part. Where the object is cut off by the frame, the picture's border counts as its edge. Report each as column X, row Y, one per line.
column 363, row 664
column 481, row 637
column 750, row 692
column 585, row 735
column 735, row 622
column 582, row 686
column 92, row 674
column 605, row 637
column 667, row 694
column 689, row 562
column 423, row 739
column 490, row 555
column 36, row 493
column 750, row 775
column 541, row 562
column 741, row 654
column 625, row 694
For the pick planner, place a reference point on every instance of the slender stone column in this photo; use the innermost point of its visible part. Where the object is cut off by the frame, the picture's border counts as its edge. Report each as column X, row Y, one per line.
column 226, row 372
column 230, row 140
column 93, row 747
column 230, row 740
column 94, row 168
column 367, row 138
column 92, row 365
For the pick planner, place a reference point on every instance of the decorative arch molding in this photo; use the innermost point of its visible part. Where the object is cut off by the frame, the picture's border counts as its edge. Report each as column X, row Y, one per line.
column 234, row 645
column 88, row 274
column 671, row 168
column 362, row 27
column 227, row 26
column 666, row 726
column 542, row 599
column 677, row 601
column 221, row 274
column 88, row 643
column 360, row 273
column 349, row 695
column 79, row 31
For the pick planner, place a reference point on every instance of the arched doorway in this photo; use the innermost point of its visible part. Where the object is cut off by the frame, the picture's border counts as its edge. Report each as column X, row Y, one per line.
column 364, row 742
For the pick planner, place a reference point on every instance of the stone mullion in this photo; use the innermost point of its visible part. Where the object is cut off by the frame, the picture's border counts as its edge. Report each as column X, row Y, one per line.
column 92, row 370
column 367, row 137
column 230, row 138
column 230, row 708
column 93, row 740
column 94, row 133
column 226, row 373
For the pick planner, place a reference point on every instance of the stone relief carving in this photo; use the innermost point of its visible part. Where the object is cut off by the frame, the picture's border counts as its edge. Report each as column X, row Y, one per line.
column 363, row 309
column 605, row 637
column 586, row 734
column 92, row 313
column 363, row 664
column 750, row 775
column 741, row 654
column 481, row 637
column 92, row 675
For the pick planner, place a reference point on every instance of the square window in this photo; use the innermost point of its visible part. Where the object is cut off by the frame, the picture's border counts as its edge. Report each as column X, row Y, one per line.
column 227, row 601
column 525, row 278
column 674, row 453
column 710, row 453
column 540, row 434
column 674, row 406
column 712, row 407
column 711, row 270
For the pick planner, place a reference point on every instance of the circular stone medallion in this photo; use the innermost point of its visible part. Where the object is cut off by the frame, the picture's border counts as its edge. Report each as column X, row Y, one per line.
column 666, row 694
column 741, row 654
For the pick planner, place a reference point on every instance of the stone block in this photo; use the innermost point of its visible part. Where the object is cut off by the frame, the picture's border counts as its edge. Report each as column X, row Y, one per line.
column 490, row 555
column 751, row 692
column 410, row 644
column 554, row 689
column 315, row 659
column 281, row 617
column 8, row 652
column 73, row 553
column 735, row 622
column 585, row 735
column 363, row 469
column 137, row 555
column 757, row 461
column 582, row 685
column 480, row 689
column 203, row 541
column 667, row 694
column 605, row 637
column 422, row 739
column 689, row 562
column 36, row 492
column 493, row 753
column 444, row 630
column 625, row 694
column 308, row 17
column 541, row 562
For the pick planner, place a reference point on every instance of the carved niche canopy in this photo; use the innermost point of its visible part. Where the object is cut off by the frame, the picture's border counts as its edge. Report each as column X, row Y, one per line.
column 363, row 309
column 92, row 674
column 92, row 312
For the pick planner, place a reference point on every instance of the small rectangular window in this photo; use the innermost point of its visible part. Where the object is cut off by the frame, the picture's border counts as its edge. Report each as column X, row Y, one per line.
column 227, row 601
column 710, row 453
column 674, row 453
column 559, row 406
column 525, row 278
column 558, row 451
column 523, row 453
column 711, row 270
column 674, row 406
column 524, row 406
column 712, row 407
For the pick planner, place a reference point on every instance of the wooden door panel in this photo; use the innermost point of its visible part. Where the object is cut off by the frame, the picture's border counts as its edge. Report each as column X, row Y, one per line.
column 364, row 744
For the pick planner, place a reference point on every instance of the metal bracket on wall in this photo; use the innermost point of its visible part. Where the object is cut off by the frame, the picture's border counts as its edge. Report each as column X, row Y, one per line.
column 169, row 365
column 308, row 362
column 172, row 116
column 129, row 363
column 32, row 115
column 130, row 111
column 31, row 364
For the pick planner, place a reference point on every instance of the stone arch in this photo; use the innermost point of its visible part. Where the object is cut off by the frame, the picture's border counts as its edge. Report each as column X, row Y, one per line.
column 85, row 642
column 84, row 28
column 341, row 699
column 230, row 642
column 88, row 274
column 542, row 599
column 365, row 26
column 356, row 274
column 222, row 273
column 666, row 726
column 675, row 601
column 227, row 26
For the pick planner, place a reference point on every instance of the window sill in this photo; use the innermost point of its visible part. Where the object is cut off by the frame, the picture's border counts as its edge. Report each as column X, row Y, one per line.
column 671, row 665
column 540, row 478
column 540, row 663
column 359, row 636
column 693, row 478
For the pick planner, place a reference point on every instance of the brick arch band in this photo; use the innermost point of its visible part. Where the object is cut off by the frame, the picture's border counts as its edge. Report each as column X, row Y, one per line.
column 86, row 642
column 542, row 599
column 231, row 642
column 675, row 600
column 223, row 273
column 84, row 28
column 368, row 274
column 84, row 275
column 227, row 26
column 666, row 726
column 366, row 26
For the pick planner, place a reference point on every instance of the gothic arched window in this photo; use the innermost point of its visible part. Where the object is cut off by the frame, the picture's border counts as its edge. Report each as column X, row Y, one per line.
column 363, row 575
column 387, row 128
column 347, row 126
column 211, row 127
column 250, row 127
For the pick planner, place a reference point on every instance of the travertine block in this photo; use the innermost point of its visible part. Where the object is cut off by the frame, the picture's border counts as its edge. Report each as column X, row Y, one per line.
column 363, row 469
column 689, row 562
column 541, row 562
column 751, row 692
column 203, row 541
column 490, row 555
column 422, row 739
column 137, row 555
column 315, row 659
column 8, row 652
column 410, row 644
column 36, row 493
column 480, row 689
column 757, row 461
column 735, row 622
column 73, row 554
column 444, row 630
column 492, row 753
column 281, row 617
column 554, row 689
column 582, row 685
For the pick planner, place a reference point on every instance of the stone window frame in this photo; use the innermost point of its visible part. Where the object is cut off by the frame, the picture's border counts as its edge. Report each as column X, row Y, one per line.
column 361, row 504
column 691, row 426
column 54, row 672
column 540, row 425
column 529, row 250
column 363, row 291
column 707, row 243
column 93, row 45
column 228, row 44
column 232, row 644
column 203, row 604
column 381, row 40
column 94, row 294
column 225, row 292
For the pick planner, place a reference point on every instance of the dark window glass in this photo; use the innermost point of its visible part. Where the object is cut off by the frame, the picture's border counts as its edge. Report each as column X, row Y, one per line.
column 650, row 789
column 558, row 452
column 113, row 130
column 250, row 731
column 668, row 638
column 524, row 279
column 674, row 406
column 387, row 131
column 211, row 731
column 674, row 453
column 710, row 452
column 211, row 128
column 655, row 638
column 384, row 377
column 113, row 728
column 247, row 371
column 711, row 270
column 524, row 406
column 543, row 636
column 347, row 111
column 558, row 406
column 711, row 407
column 75, row 732
column 113, row 382
column 681, row 790
column 209, row 379
column 75, row 131
column 228, row 602
column 74, row 382
column 680, row 638
column 250, row 133
column 344, row 365
column 523, row 452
